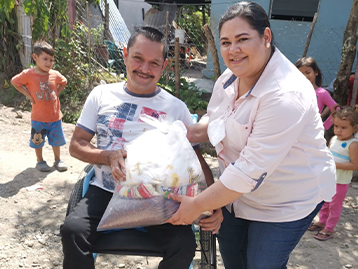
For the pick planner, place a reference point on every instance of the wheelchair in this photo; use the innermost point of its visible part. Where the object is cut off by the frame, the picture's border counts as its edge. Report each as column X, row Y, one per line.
column 135, row 242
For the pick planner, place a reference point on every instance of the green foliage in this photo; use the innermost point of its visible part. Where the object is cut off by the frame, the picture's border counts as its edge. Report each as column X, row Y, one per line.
column 47, row 13
column 69, row 63
column 191, row 21
column 97, row 33
column 5, row 9
column 9, row 95
column 189, row 93
column 70, row 116
column 40, row 11
column 10, row 40
column 71, row 60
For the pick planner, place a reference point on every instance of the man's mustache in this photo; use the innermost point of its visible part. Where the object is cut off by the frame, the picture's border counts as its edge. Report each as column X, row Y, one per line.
column 140, row 73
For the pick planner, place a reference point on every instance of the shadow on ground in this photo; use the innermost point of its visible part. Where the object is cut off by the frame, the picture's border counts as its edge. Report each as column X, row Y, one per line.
column 26, row 178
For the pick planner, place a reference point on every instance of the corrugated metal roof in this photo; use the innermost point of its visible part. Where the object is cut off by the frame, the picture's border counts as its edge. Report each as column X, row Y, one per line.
column 157, row 18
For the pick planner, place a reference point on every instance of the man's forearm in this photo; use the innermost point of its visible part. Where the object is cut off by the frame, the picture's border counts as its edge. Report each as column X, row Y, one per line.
column 86, row 152
column 216, row 196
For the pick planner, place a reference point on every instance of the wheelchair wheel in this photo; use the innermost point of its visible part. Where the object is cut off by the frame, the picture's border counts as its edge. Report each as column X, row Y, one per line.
column 76, row 194
column 208, row 250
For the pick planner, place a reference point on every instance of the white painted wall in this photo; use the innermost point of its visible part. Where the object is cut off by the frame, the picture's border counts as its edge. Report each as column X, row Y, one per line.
column 131, row 12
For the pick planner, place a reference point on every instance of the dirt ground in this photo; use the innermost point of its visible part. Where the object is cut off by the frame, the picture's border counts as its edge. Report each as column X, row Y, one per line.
column 33, row 206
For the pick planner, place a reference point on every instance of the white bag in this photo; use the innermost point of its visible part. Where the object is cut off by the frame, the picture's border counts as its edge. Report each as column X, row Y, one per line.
column 162, row 156
column 159, row 162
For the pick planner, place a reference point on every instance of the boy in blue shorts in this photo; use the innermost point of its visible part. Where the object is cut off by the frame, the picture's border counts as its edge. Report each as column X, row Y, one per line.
column 42, row 85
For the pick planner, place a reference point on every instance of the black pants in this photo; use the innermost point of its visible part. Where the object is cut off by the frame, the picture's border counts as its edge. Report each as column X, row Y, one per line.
column 79, row 234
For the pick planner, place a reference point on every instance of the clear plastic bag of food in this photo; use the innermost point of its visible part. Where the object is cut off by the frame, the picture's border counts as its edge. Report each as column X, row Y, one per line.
column 162, row 156
column 159, row 162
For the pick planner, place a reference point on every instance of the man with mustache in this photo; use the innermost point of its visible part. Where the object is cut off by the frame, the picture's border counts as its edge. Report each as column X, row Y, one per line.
column 112, row 113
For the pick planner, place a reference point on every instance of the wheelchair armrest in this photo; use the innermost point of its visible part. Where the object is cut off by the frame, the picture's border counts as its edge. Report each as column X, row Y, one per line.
column 87, row 179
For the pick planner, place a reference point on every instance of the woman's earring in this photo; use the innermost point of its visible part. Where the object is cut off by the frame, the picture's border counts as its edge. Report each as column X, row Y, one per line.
column 268, row 45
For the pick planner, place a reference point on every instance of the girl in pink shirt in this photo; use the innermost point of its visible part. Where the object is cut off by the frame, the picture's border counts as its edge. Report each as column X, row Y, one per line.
column 310, row 69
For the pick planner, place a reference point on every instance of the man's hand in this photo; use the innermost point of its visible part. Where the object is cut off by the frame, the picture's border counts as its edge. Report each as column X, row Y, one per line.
column 213, row 222
column 116, row 161
column 82, row 149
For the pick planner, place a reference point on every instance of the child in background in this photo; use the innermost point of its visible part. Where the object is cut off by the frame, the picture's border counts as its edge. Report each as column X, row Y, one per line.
column 344, row 147
column 310, row 69
column 42, row 85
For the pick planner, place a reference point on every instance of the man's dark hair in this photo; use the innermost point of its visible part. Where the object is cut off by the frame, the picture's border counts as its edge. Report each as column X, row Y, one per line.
column 43, row 46
column 152, row 34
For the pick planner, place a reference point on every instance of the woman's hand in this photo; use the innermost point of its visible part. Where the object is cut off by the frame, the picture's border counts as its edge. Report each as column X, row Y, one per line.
column 213, row 222
column 187, row 212
column 116, row 161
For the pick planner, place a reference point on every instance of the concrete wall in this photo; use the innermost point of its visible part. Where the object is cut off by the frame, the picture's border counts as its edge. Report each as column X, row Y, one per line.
column 131, row 12
column 291, row 36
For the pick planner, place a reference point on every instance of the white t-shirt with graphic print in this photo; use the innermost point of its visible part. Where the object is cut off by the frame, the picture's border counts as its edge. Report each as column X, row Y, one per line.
column 112, row 113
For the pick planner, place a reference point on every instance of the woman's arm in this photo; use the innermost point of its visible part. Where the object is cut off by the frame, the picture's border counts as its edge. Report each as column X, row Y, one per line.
column 216, row 196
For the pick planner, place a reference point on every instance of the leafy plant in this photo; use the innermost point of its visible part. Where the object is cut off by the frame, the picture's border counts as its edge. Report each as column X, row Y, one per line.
column 40, row 11
column 10, row 40
column 9, row 95
column 72, row 61
column 96, row 34
column 189, row 93
column 192, row 21
column 47, row 14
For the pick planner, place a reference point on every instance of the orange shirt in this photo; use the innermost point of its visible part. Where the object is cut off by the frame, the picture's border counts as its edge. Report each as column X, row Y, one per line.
column 43, row 90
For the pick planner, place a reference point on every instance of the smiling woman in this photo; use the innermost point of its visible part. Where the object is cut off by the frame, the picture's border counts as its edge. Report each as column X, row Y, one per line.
column 275, row 169
column 245, row 51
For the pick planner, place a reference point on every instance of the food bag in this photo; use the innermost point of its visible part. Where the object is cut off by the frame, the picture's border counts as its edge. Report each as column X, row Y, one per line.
column 159, row 162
